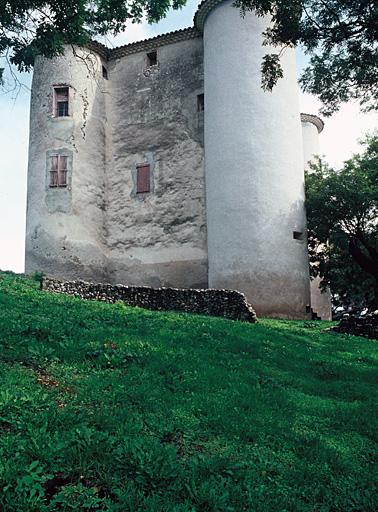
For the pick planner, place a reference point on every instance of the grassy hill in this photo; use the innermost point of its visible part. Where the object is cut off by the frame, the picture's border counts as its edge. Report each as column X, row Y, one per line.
column 110, row 408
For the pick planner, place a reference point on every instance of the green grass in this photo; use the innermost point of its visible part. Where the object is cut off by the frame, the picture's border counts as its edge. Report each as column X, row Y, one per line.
column 111, row 408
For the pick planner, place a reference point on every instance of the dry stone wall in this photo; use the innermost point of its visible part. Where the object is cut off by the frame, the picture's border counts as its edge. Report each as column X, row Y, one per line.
column 224, row 303
column 366, row 326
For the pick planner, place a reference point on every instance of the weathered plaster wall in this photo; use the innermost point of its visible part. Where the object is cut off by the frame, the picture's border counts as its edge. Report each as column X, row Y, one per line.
column 157, row 239
column 65, row 226
column 254, row 169
column 320, row 300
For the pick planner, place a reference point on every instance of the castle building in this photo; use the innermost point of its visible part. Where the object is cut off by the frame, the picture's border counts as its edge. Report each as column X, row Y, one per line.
column 164, row 163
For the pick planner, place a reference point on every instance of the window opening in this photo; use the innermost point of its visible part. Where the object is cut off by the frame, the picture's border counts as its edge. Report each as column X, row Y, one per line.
column 61, row 101
column 104, row 72
column 200, row 103
column 152, row 58
column 143, row 178
column 58, row 171
column 298, row 235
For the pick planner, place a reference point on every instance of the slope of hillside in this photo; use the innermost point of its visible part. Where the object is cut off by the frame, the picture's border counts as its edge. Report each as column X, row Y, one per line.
column 111, row 408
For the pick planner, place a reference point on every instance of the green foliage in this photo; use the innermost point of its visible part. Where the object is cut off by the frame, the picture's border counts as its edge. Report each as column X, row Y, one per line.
column 39, row 27
column 339, row 36
column 193, row 414
column 342, row 215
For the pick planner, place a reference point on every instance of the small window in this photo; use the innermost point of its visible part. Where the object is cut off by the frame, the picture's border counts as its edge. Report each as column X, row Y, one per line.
column 58, row 171
column 61, row 102
column 152, row 58
column 104, row 72
column 143, row 178
column 200, row 103
column 298, row 235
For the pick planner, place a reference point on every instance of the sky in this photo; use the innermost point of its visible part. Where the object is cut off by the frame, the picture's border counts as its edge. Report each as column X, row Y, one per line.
column 339, row 139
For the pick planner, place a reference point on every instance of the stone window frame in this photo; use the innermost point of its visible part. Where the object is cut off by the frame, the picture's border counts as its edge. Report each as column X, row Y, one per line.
column 54, row 100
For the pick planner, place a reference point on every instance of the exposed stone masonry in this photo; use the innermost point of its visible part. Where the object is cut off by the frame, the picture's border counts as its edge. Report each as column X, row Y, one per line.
column 366, row 326
column 224, row 303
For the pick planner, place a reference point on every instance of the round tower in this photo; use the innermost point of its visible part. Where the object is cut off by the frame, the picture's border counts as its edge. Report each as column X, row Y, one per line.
column 312, row 126
column 254, row 167
column 66, row 173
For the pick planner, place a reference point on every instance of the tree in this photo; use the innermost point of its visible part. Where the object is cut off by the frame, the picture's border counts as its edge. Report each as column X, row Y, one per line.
column 342, row 215
column 339, row 36
column 38, row 27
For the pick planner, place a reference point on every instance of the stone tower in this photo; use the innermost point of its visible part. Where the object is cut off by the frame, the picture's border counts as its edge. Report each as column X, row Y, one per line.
column 163, row 163
column 256, row 223
column 312, row 126
column 65, row 228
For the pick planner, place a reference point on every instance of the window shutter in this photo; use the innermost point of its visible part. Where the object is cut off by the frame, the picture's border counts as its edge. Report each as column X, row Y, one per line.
column 143, row 178
column 54, row 163
column 62, row 174
column 54, row 171
column 58, row 171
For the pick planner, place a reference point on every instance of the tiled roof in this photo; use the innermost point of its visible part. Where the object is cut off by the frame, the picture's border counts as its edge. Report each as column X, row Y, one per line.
column 203, row 10
column 145, row 44
column 154, row 42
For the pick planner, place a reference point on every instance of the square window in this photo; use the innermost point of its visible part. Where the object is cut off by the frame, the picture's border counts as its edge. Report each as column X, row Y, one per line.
column 58, row 171
column 152, row 58
column 200, row 103
column 61, row 98
column 143, row 179
column 298, row 235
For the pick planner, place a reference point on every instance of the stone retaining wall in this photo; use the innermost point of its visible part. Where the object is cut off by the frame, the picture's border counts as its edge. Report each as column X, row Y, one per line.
column 366, row 326
column 225, row 303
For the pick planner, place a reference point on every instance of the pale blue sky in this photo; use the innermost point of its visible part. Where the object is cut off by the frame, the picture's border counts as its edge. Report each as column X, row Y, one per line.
column 338, row 140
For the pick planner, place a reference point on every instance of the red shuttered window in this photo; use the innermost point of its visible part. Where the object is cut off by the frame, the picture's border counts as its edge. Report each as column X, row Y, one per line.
column 58, row 171
column 143, row 178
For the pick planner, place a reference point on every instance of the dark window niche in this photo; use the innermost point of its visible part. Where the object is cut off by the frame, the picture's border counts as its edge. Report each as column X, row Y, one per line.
column 298, row 235
column 104, row 73
column 200, row 102
column 152, row 58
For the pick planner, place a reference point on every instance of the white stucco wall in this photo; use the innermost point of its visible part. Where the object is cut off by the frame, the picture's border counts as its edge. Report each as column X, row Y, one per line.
column 254, row 169
column 65, row 228
column 311, row 146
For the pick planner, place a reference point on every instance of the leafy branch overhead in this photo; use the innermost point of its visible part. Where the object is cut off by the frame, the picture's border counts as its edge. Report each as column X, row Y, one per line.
column 38, row 27
column 340, row 38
